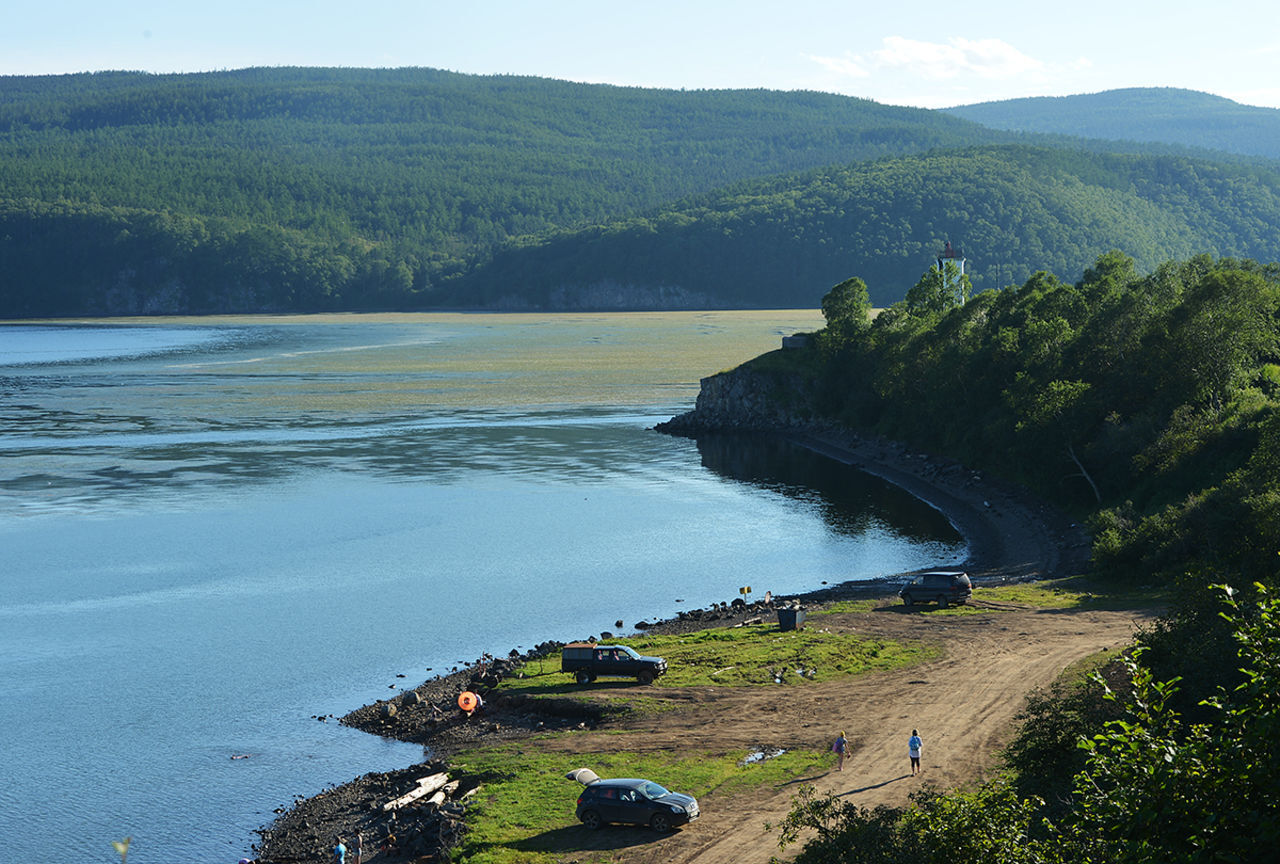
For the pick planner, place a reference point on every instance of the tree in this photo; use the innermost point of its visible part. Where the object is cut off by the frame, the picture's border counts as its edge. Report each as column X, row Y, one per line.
column 847, row 309
column 1156, row 789
column 1225, row 324
column 939, row 290
column 1055, row 411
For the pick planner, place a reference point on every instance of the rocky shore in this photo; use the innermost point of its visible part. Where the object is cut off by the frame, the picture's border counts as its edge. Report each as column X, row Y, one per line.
column 1011, row 536
column 425, row 830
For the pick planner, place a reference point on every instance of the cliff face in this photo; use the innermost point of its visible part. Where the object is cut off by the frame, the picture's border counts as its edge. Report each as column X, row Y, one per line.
column 747, row 399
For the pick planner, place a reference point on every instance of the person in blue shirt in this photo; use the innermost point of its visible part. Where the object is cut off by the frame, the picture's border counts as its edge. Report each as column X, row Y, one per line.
column 339, row 852
column 914, row 745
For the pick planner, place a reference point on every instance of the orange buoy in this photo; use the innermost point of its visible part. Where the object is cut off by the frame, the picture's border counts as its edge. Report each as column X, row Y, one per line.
column 468, row 701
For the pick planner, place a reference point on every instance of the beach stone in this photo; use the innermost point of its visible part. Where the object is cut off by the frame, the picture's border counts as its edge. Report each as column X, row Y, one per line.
column 410, row 698
column 388, row 710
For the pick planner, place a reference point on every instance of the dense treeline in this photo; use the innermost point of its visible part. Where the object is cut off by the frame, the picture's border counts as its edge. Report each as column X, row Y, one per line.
column 1014, row 210
column 1164, row 114
column 1150, row 404
column 305, row 189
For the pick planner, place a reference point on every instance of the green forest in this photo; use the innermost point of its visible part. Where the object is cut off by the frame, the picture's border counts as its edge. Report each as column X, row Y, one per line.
column 308, row 189
column 1013, row 209
column 1147, row 403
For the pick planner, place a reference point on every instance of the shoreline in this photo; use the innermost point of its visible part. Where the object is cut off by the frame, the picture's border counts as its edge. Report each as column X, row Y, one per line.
column 1011, row 535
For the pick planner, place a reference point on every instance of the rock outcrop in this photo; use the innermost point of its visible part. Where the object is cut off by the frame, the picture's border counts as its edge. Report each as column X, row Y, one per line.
column 747, row 399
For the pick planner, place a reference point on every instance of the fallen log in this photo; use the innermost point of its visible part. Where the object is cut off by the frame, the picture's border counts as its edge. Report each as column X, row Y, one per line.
column 444, row 792
column 426, row 786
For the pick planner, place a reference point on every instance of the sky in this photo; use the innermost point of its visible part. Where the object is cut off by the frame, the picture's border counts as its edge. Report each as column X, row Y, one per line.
column 925, row 54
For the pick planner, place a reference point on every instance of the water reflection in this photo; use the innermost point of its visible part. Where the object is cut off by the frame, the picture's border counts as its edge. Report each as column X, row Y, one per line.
column 848, row 500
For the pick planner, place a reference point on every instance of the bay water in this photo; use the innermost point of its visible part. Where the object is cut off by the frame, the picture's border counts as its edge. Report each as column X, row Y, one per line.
column 218, row 535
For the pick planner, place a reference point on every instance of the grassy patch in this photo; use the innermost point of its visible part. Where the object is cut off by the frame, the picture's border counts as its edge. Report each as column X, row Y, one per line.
column 1074, row 592
column 846, row 606
column 524, row 812
column 1079, row 672
column 759, row 654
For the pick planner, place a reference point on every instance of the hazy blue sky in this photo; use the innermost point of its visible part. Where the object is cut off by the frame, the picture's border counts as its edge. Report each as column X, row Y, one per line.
column 929, row 54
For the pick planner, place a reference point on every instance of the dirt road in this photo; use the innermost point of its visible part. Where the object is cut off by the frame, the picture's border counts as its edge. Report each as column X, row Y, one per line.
column 963, row 705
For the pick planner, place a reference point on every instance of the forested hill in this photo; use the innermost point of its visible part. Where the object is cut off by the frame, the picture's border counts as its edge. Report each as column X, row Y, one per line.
column 1154, row 114
column 422, row 154
column 1014, row 210
column 368, row 186
column 318, row 189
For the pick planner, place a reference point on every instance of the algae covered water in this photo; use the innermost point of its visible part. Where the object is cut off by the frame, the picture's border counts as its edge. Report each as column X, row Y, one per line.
column 218, row 534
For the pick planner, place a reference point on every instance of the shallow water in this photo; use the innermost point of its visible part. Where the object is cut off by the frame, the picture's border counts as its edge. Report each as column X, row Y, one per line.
column 215, row 532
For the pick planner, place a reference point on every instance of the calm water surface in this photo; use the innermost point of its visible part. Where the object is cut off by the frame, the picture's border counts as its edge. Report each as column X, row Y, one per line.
column 214, row 532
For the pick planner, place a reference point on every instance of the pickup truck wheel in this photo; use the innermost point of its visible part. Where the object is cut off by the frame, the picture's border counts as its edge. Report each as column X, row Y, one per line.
column 942, row 601
column 591, row 819
column 645, row 677
column 907, row 600
column 585, row 677
column 660, row 822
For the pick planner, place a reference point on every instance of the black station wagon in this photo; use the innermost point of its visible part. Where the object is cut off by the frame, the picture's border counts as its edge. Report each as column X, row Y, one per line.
column 942, row 586
column 633, row 801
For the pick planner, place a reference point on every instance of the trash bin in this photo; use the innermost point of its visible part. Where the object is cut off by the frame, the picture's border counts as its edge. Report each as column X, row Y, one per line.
column 790, row 619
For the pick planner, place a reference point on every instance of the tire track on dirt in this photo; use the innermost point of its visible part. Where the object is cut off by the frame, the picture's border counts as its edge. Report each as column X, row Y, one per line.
column 963, row 703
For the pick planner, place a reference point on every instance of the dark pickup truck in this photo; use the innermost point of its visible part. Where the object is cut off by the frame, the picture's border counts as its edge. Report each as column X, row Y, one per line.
column 587, row 661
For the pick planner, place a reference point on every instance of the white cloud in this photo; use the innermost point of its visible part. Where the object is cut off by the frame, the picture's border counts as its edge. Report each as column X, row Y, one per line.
column 846, row 66
column 992, row 59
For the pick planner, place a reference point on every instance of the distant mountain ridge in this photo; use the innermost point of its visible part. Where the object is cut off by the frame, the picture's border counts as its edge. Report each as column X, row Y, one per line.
column 1145, row 114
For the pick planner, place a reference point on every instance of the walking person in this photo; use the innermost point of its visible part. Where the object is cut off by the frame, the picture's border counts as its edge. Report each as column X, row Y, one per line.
column 339, row 852
column 914, row 745
column 359, row 847
column 838, row 749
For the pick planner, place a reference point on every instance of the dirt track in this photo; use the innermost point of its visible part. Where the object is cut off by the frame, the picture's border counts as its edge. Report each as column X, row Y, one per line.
column 963, row 704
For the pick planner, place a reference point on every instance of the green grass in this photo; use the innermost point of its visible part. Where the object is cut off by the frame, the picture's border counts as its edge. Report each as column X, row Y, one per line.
column 524, row 811
column 1074, row 592
column 846, row 606
column 754, row 655
column 1079, row 672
